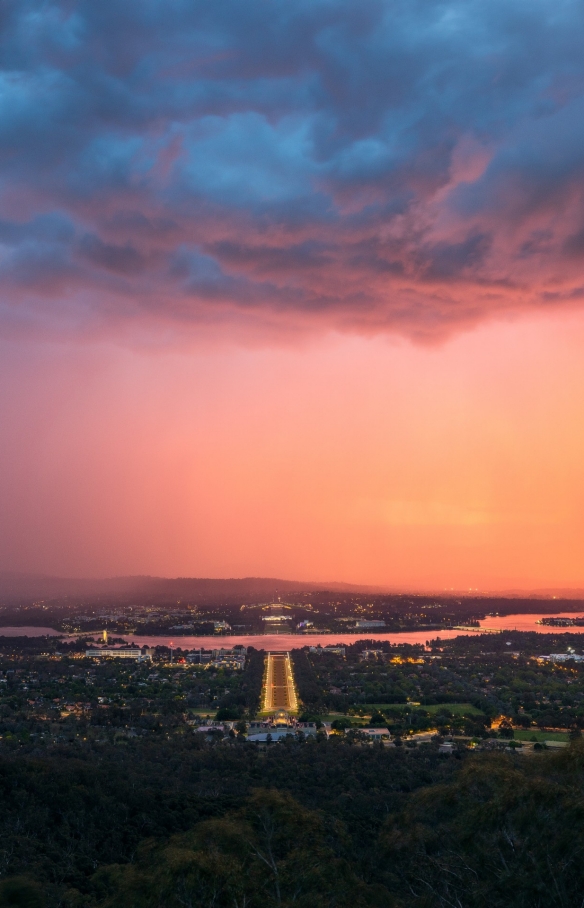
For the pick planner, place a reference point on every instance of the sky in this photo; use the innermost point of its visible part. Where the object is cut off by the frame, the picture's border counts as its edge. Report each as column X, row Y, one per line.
column 293, row 289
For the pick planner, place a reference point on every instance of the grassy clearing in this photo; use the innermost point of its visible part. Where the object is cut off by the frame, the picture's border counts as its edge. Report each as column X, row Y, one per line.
column 457, row 709
column 355, row 720
column 528, row 734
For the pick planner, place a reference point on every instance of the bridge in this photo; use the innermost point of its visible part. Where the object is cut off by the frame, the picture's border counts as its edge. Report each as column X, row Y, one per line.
column 474, row 629
column 279, row 688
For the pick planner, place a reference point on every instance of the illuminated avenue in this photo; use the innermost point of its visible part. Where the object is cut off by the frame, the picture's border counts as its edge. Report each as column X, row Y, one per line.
column 279, row 691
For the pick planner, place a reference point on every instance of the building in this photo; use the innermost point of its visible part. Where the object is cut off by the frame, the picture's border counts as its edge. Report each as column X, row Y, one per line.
column 219, row 658
column 319, row 650
column 277, row 726
column 104, row 652
column 446, row 748
column 199, row 656
column 374, row 622
column 277, row 734
column 377, row 734
column 368, row 655
column 228, row 661
column 562, row 657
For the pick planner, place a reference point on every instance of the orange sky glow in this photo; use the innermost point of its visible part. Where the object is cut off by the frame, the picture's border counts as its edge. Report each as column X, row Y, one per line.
column 294, row 289
column 346, row 458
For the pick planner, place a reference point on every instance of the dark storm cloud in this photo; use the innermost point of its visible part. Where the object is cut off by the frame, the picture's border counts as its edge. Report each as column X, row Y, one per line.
column 382, row 165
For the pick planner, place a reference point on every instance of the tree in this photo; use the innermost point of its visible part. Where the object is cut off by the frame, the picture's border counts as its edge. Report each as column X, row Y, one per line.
column 506, row 729
column 271, row 853
column 499, row 834
column 378, row 720
column 228, row 714
column 341, row 724
column 20, row 892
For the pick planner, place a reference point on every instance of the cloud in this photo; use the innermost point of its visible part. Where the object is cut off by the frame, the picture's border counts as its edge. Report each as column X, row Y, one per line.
column 392, row 165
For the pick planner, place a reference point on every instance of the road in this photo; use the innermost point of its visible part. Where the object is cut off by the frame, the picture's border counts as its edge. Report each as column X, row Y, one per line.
column 280, row 691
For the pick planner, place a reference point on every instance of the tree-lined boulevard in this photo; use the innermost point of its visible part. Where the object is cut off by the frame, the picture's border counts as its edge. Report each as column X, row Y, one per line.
column 279, row 688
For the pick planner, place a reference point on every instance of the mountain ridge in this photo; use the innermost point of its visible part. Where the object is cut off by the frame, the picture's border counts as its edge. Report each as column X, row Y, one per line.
column 22, row 585
column 15, row 585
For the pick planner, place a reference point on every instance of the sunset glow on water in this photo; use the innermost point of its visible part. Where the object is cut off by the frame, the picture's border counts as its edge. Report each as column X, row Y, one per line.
column 527, row 622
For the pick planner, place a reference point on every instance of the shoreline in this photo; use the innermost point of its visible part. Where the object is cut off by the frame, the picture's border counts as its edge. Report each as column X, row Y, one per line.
column 492, row 625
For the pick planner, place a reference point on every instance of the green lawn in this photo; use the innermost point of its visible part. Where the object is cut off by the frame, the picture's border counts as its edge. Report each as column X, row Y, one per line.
column 457, row 709
column 526, row 734
column 355, row 720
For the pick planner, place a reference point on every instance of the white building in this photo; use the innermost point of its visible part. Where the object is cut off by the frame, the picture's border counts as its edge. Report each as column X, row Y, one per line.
column 221, row 626
column 376, row 734
column 276, row 734
column 104, row 652
column 335, row 650
column 563, row 657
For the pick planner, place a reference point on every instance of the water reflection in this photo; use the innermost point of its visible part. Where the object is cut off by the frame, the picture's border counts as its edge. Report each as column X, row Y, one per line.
column 277, row 642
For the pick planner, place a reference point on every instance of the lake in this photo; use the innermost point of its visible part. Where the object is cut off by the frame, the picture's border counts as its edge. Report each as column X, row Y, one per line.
column 526, row 622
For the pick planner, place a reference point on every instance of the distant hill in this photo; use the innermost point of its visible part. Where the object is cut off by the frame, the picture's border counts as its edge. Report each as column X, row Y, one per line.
column 14, row 586
column 19, row 587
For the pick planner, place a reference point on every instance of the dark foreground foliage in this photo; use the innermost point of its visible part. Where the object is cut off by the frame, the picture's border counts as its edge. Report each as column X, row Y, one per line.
column 184, row 823
column 270, row 852
column 501, row 833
